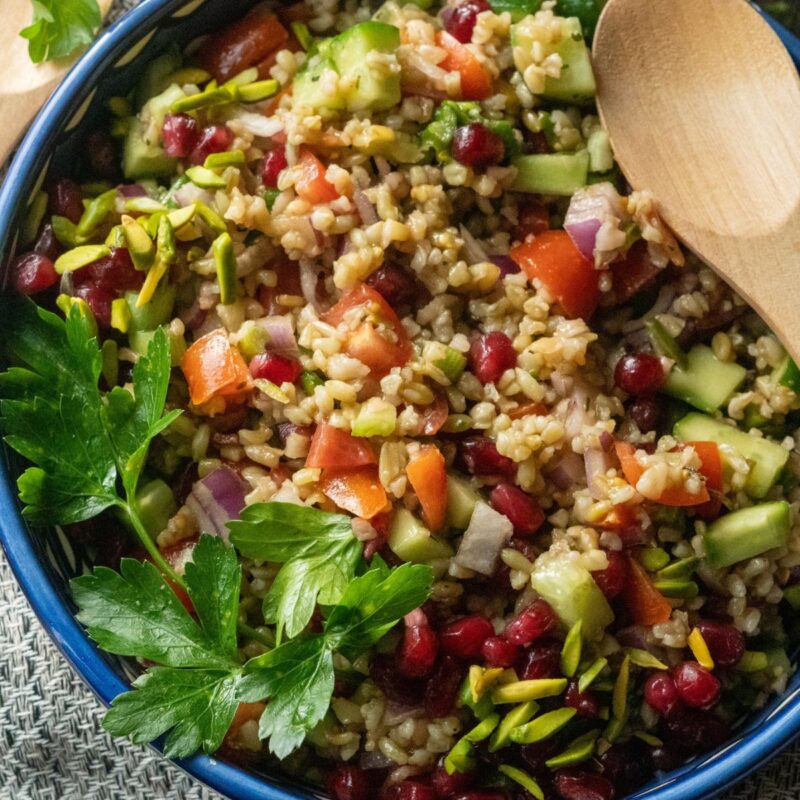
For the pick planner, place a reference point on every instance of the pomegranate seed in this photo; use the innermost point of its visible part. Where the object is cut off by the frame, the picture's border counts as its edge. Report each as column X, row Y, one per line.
column 491, row 355
column 459, row 20
column 665, row 759
column 66, row 200
column 447, row 786
column 101, row 150
column 661, row 694
column 33, row 273
column 417, row 652
column 639, row 373
column 533, row 218
column 535, row 143
column 99, row 301
column 646, row 412
column 525, row 513
column 180, row 135
column 534, row 622
column 575, row 784
column 475, row 146
column 697, row 687
column 47, row 244
column 346, row 782
column 627, row 766
column 499, row 652
column 611, row 580
column 275, row 368
column 214, row 139
column 274, row 163
column 693, row 731
column 481, row 796
column 543, row 661
column 464, row 638
column 480, row 457
column 535, row 755
column 383, row 671
column 442, row 688
column 585, row 703
column 725, row 642
column 114, row 273
column 412, row 790
column 395, row 285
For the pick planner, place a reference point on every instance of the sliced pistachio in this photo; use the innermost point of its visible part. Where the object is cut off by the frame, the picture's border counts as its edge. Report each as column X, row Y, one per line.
column 648, row 738
column 110, row 355
column 684, row 568
column 116, row 237
column 33, row 219
column 460, row 759
column 165, row 243
column 516, row 717
column 182, row 216
column 225, row 261
column 144, row 205
column 272, row 391
column 80, row 257
column 193, row 76
column 211, row 218
column 483, row 730
column 95, row 188
column 523, row 779
column 699, row 648
column 481, row 679
column 154, row 276
column 577, row 751
column 230, row 158
column 64, row 230
column 457, row 423
column 683, row 589
column 614, row 728
column 644, row 659
column 542, row 727
column 258, row 91
column 119, row 107
column 152, row 222
column 654, row 558
column 205, row 178
column 140, row 245
column 520, row 691
column 588, row 676
column 97, row 212
column 753, row 661
column 243, row 78
column 210, row 97
column 619, row 698
column 303, row 35
column 120, row 315
column 571, row 651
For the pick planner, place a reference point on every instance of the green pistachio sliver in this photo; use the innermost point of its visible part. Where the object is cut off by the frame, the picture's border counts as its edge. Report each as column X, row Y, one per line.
column 615, row 728
column 81, row 257
column 577, row 751
column 95, row 188
column 571, row 651
column 120, row 107
column 210, row 97
column 483, row 730
column 144, row 205
column 303, row 35
column 110, row 361
column 165, row 244
column 654, row 558
column 542, row 727
column 258, row 91
column 513, row 719
column 753, row 661
column 681, row 589
column 205, row 178
column 225, row 261
column 97, row 212
column 457, row 423
column 309, row 381
column 152, row 222
column 211, row 218
column 523, row 779
column 116, row 237
column 619, row 698
column 521, row 691
column 272, row 391
column 680, row 569
column 64, row 230
column 230, row 158
column 120, row 315
column 460, row 759
column 140, row 245
column 648, row 738
column 33, row 219
column 644, row 659
column 182, row 216
column 587, row 678
column 248, row 75
column 190, row 75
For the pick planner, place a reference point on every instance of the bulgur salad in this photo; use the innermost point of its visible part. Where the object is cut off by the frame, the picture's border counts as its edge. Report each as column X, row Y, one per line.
column 412, row 450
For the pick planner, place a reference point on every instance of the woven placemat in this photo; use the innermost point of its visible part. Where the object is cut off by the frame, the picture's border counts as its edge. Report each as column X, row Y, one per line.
column 53, row 748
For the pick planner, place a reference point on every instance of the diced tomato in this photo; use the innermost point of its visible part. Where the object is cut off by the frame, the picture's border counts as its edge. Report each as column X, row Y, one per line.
column 626, row 522
column 215, row 369
column 529, row 410
column 711, row 470
column 671, row 496
column 645, row 604
column 334, row 448
column 243, row 44
column 570, row 277
column 311, row 184
column 433, row 417
column 475, row 81
column 358, row 490
column 371, row 346
column 533, row 219
column 633, row 272
column 428, row 478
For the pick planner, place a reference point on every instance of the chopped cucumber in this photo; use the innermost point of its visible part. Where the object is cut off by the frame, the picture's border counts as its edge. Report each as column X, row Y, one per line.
column 706, row 382
column 155, row 312
column 310, row 89
column 461, row 500
column 411, row 541
column 552, row 173
column 376, row 417
column 157, row 74
column 572, row 592
column 143, row 160
column 787, row 374
column 747, row 533
column 766, row 458
column 601, row 157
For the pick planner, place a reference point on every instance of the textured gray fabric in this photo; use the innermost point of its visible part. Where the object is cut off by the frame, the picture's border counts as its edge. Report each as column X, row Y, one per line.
column 53, row 748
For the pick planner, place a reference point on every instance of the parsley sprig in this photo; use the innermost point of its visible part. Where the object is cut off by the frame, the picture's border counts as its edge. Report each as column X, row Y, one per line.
column 88, row 447
column 60, row 27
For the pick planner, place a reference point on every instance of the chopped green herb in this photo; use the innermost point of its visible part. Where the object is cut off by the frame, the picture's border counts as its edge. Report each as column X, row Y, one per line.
column 60, row 27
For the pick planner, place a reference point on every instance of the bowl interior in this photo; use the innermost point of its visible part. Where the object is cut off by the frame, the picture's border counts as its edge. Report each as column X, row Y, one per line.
column 45, row 561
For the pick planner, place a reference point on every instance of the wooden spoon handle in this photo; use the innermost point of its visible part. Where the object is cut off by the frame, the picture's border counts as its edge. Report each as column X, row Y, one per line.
column 24, row 86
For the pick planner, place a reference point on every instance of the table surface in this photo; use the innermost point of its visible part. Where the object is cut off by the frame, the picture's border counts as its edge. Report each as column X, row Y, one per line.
column 53, row 748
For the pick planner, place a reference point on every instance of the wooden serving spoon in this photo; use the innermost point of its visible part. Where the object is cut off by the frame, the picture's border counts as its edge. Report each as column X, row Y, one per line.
column 24, row 86
column 702, row 104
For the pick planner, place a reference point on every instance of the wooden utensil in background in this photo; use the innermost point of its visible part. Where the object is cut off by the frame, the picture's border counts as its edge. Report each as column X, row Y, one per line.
column 702, row 104
column 24, row 86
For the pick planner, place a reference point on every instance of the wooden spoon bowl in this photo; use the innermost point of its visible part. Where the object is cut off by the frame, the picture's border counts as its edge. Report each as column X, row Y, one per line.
column 702, row 104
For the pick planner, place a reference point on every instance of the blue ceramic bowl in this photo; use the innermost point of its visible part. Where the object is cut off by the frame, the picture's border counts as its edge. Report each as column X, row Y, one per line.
column 45, row 561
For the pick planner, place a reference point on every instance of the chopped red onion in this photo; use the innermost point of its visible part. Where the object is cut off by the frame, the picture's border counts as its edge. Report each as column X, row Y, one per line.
column 194, row 316
column 597, row 463
column 132, row 190
column 281, row 336
column 568, row 472
column 507, row 265
column 487, row 534
column 367, row 212
column 584, row 235
column 588, row 210
column 309, row 279
column 217, row 499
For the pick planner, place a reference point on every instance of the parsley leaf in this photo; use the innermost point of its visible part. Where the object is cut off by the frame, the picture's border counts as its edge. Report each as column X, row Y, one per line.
column 317, row 549
column 59, row 27
column 298, row 676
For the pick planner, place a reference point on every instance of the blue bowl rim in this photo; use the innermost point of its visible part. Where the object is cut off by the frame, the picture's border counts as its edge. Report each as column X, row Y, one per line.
column 690, row 783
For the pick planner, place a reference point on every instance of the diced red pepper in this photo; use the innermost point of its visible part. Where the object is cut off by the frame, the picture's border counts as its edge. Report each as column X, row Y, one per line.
column 334, row 448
